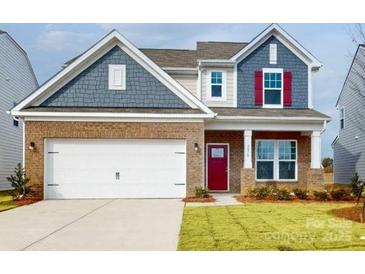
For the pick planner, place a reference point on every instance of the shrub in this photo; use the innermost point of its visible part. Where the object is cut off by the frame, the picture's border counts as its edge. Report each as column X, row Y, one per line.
column 338, row 194
column 357, row 186
column 282, row 194
column 320, row 195
column 301, row 194
column 19, row 182
column 201, row 192
column 261, row 193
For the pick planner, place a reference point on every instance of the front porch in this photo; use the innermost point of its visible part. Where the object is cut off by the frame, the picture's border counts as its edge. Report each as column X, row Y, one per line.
column 290, row 159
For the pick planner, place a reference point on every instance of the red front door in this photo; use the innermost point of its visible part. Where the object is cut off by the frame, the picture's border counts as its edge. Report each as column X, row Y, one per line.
column 217, row 170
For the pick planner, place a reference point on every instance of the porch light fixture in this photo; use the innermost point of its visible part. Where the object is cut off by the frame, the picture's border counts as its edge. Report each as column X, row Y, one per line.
column 196, row 147
column 31, row 146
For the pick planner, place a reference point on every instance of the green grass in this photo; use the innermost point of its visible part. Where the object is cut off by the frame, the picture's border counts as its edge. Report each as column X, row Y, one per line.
column 6, row 201
column 269, row 226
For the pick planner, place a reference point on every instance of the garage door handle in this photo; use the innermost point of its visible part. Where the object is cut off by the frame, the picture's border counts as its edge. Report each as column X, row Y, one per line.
column 117, row 176
column 52, row 184
column 179, row 184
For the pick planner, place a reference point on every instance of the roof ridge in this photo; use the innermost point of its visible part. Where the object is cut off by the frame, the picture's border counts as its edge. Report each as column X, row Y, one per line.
column 231, row 42
column 167, row 49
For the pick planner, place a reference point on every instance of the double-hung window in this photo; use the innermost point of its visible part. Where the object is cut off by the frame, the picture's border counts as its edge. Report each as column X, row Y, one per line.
column 273, row 88
column 276, row 160
column 216, row 84
column 342, row 118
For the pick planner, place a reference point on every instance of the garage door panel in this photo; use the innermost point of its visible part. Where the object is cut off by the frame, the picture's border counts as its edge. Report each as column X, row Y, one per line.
column 100, row 168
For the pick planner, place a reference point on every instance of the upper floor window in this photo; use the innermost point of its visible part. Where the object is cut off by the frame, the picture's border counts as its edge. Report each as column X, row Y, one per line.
column 117, row 77
column 217, row 90
column 342, row 118
column 273, row 88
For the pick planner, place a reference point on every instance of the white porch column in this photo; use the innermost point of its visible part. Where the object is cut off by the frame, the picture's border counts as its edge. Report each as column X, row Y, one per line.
column 247, row 150
column 316, row 149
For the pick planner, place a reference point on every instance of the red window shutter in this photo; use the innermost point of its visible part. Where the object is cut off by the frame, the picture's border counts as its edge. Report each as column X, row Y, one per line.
column 258, row 88
column 287, row 88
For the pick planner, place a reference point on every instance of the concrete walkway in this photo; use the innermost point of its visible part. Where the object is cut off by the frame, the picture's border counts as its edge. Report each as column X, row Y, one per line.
column 222, row 199
column 121, row 224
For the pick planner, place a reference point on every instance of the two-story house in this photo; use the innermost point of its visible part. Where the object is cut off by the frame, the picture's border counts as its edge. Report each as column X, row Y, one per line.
column 119, row 121
column 349, row 145
column 17, row 80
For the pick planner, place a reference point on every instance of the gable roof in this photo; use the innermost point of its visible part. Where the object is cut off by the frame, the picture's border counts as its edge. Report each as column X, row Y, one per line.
column 2, row 32
column 349, row 71
column 283, row 37
column 91, row 55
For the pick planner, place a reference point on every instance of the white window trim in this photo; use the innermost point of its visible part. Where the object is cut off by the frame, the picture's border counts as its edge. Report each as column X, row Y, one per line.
column 209, row 97
column 113, row 67
column 273, row 54
column 273, row 70
column 342, row 117
column 276, row 161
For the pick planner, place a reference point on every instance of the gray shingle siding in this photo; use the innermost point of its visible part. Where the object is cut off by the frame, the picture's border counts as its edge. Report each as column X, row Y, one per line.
column 90, row 87
column 349, row 152
column 16, row 82
column 258, row 60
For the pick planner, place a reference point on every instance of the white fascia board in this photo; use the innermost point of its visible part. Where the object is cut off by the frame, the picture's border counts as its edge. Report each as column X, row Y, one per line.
column 268, row 118
column 110, row 115
column 115, row 120
column 181, row 70
column 161, row 75
column 284, row 37
column 216, row 62
column 263, row 125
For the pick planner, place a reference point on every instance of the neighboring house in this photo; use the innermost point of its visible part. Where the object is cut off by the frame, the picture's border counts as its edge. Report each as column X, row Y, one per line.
column 17, row 80
column 349, row 145
column 119, row 121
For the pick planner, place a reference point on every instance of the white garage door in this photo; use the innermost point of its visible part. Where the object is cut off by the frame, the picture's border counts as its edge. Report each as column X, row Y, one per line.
column 110, row 168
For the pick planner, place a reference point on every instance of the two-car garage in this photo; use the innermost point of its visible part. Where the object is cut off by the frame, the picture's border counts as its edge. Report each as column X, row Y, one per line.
column 114, row 168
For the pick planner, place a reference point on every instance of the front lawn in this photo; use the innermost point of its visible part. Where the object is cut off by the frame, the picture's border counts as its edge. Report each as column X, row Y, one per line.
column 6, row 201
column 270, row 226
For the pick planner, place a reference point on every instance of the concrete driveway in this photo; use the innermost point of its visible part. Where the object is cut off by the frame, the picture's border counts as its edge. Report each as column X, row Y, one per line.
column 118, row 224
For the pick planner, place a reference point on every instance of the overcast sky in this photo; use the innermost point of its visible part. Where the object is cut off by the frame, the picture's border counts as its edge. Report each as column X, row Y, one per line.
column 50, row 45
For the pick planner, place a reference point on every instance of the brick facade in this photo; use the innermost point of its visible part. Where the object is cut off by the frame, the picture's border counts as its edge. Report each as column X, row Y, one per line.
column 235, row 141
column 310, row 179
column 37, row 131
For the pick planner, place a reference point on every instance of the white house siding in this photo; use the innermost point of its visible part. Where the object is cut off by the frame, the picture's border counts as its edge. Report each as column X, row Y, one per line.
column 349, row 151
column 16, row 82
column 188, row 81
column 229, row 102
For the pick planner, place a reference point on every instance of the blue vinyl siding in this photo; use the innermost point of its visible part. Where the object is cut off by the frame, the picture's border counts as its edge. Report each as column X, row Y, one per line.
column 90, row 87
column 258, row 60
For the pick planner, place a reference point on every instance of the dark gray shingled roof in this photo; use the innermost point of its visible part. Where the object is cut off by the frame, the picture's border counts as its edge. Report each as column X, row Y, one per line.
column 115, row 110
column 218, row 50
column 172, row 57
column 262, row 112
column 186, row 58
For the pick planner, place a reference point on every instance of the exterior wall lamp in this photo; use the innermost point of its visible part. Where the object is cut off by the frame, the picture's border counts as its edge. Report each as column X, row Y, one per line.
column 196, row 147
column 31, row 146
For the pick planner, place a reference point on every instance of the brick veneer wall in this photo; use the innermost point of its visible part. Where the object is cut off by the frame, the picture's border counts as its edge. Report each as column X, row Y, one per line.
column 310, row 179
column 235, row 140
column 36, row 131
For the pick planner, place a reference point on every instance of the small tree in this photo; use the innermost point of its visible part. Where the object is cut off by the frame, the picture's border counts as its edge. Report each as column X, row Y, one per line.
column 19, row 182
column 327, row 162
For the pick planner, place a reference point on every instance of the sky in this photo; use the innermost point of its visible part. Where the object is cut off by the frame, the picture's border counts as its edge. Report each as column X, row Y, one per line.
column 50, row 45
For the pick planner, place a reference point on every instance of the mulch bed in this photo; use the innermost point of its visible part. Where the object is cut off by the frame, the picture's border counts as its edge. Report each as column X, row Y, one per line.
column 208, row 199
column 26, row 201
column 246, row 199
column 351, row 213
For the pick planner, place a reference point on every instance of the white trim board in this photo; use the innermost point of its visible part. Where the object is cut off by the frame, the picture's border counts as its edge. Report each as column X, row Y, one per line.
column 112, row 39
